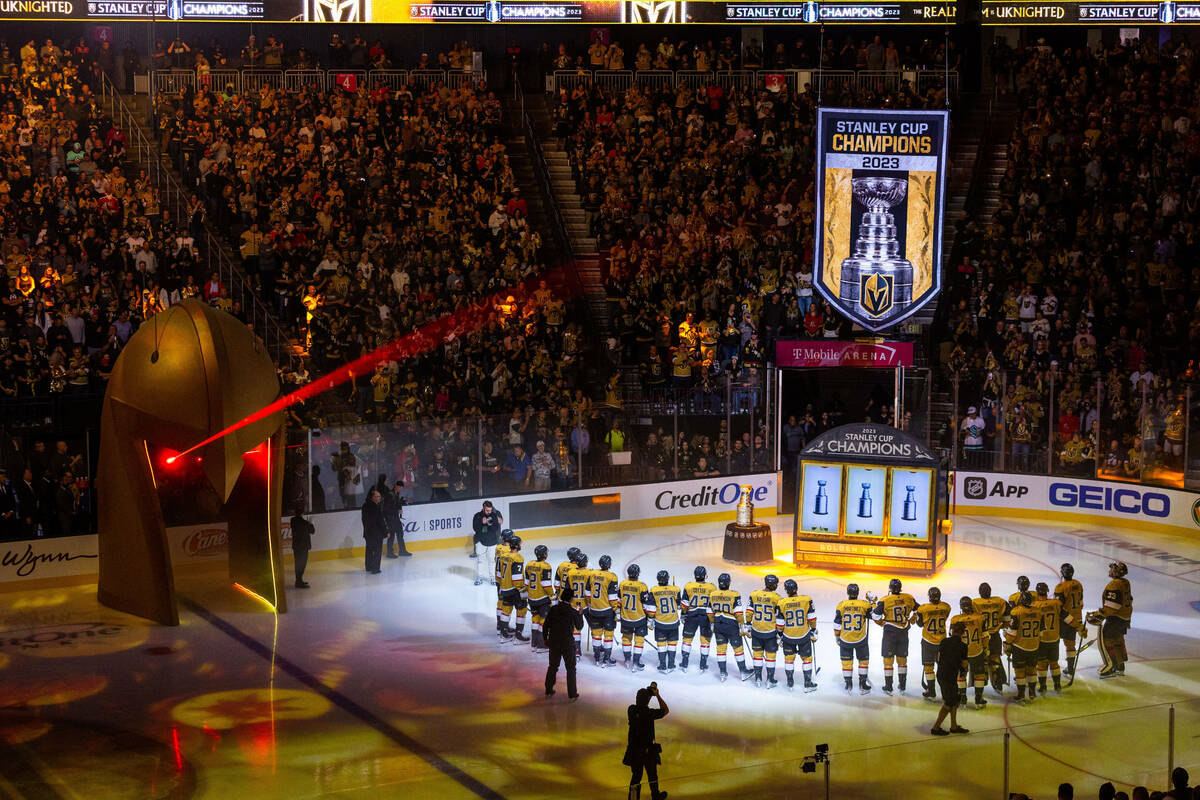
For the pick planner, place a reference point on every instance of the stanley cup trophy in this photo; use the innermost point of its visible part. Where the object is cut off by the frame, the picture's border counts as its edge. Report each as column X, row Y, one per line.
column 747, row 541
column 877, row 276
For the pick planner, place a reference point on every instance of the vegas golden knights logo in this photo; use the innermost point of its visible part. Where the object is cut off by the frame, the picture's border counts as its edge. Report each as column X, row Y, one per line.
column 876, row 294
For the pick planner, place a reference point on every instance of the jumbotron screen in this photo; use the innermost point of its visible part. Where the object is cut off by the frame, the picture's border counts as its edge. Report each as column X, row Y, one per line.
column 591, row 12
column 1062, row 12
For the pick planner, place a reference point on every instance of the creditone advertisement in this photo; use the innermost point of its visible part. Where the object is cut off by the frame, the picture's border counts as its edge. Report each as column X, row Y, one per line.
column 1115, row 502
column 1167, row 12
column 881, row 185
column 588, row 12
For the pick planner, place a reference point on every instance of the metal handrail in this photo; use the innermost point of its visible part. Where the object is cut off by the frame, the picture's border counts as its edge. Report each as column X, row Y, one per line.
column 828, row 79
column 171, row 195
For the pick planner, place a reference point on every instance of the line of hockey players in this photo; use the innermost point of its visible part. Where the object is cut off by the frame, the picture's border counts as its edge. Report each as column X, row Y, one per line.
column 1028, row 626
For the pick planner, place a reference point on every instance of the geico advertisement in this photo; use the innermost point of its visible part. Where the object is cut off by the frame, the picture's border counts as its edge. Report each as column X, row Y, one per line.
column 1123, row 502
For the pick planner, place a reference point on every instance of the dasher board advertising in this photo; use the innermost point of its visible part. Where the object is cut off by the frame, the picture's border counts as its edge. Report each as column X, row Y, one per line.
column 881, row 185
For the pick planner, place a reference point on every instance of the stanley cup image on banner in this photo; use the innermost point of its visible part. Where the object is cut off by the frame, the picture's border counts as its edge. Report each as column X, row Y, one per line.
column 881, row 179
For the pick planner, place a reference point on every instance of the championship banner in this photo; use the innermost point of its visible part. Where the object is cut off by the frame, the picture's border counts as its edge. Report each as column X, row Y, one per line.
column 881, row 181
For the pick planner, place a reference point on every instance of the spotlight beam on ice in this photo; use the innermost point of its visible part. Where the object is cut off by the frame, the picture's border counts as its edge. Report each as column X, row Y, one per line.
column 459, row 323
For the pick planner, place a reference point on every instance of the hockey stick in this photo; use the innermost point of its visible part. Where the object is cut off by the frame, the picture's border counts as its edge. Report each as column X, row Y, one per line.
column 1087, row 643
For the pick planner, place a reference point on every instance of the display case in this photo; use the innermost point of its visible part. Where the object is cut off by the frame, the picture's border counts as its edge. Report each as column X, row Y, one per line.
column 870, row 497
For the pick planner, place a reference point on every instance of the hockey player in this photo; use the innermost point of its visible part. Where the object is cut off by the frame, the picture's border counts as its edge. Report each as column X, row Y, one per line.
column 539, row 584
column 1024, row 639
column 696, row 605
column 579, row 580
column 1070, row 592
column 1113, row 619
column 850, row 621
column 561, row 571
column 931, row 618
column 636, row 603
column 894, row 610
column 765, row 624
column 502, row 550
column 1053, row 619
column 799, row 632
column 602, row 611
column 728, row 619
column 1014, row 599
column 972, row 622
column 665, row 618
column 510, row 580
column 993, row 610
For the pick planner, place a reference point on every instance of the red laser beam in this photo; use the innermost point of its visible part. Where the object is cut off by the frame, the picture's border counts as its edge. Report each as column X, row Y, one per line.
column 464, row 321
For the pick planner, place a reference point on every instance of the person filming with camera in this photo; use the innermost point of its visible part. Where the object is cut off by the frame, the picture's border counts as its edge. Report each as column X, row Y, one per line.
column 642, row 752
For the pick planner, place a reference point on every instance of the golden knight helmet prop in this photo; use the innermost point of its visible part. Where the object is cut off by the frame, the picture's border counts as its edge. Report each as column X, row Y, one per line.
column 188, row 373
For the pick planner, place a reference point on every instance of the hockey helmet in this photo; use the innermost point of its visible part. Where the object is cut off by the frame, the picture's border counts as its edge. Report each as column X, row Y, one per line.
column 506, row 535
column 514, row 542
column 581, row 560
column 701, row 574
column 1042, row 589
column 791, row 587
column 935, row 595
column 894, row 586
column 1067, row 571
column 965, row 605
column 723, row 580
column 605, row 562
column 771, row 582
column 663, row 577
column 572, row 554
column 1026, row 599
column 1117, row 569
column 1022, row 584
column 852, row 591
column 633, row 570
column 541, row 552
column 985, row 590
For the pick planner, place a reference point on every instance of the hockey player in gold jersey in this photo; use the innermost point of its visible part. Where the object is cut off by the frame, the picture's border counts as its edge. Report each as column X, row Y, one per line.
column 1070, row 592
column 728, row 618
column 1113, row 618
column 993, row 609
column 765, row 624
column 664, row 615
column 1053, row 620
column 893, row 611
column 602, row 611
column 798, row 618
column 931, row 619
column 851, row 619
column 539, row 585
column 561, row 571
column 1014, row 599
column 579, row 581
column 696, row 606
column 510, row 581
column 973, row 631
column 635, row 606
column 1025, row 637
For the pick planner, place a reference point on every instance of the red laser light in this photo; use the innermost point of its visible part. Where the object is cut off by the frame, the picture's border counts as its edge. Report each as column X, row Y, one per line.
column 464, row 321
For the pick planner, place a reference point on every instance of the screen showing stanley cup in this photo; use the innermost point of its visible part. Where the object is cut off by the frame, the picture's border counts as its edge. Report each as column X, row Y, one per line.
column 822, row 501
column 881, row 179
column 865, row 506
column 910, row 503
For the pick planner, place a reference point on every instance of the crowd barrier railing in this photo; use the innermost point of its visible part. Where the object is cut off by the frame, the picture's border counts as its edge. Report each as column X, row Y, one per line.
column 173, row 81
column 824, row 81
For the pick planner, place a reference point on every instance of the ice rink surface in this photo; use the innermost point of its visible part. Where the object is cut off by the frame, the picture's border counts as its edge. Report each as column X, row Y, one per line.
column 396, row 686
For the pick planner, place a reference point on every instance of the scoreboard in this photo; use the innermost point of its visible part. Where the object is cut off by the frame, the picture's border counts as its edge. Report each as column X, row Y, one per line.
column 869, row 497
column 590, row 12
column 1058, row 12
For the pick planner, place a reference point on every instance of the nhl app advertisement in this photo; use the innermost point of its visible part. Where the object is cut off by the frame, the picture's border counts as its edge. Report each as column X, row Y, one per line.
column 881, row 181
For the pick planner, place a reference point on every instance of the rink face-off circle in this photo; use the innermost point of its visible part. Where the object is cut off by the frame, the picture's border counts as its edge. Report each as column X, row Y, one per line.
column 397, row 683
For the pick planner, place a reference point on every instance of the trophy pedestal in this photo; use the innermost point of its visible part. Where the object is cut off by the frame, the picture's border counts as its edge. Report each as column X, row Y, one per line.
column 748, row 544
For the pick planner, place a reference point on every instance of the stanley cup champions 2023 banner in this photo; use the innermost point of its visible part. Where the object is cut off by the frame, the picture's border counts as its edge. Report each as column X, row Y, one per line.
column 881, row 179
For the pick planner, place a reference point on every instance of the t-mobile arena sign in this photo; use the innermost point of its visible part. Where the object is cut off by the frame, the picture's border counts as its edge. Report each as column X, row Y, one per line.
column 835, row 353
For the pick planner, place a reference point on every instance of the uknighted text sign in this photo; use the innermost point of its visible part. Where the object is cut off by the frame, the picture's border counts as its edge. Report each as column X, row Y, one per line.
column 880, row 193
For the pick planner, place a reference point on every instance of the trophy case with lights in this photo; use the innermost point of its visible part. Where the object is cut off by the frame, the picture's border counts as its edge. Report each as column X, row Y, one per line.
column 870, row 497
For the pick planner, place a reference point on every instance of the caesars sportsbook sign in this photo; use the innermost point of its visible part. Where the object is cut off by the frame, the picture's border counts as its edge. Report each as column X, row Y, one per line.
column 881, row 180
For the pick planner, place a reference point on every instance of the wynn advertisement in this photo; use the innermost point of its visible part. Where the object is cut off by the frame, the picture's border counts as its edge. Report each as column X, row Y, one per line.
column 880, row 197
